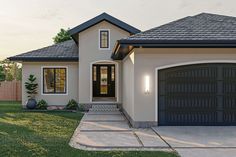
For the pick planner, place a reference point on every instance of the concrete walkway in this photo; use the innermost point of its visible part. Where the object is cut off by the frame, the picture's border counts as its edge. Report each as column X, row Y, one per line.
column 111, row 131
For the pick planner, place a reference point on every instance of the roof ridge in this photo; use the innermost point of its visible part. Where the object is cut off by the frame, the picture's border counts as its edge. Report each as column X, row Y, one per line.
column 203, row 26
column 154, row 28
column 213, row 14
column 102, row 17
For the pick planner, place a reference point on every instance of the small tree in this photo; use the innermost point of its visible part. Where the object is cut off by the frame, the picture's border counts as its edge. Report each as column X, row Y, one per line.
column 2, row 75
column 19, row 74
column 31, row 87
column 62, row 36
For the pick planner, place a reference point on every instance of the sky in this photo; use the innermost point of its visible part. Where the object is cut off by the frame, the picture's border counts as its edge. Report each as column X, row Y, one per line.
column 31, row 24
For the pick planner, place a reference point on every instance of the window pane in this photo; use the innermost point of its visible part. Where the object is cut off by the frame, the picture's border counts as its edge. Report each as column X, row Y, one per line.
column 103, row 83
column 104, row 39
column 60, row 80
column 48, row 80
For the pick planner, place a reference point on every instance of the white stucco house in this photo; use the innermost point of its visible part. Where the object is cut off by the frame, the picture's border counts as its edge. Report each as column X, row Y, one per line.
column 180, row 73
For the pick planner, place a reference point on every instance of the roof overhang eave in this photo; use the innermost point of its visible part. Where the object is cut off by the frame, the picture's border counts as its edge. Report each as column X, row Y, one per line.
column 185, row 42
column 44, row 59
column 124, row 46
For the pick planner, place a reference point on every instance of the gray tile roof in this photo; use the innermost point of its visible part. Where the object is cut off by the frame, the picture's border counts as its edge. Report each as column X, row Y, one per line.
column 65, row 51
column 200, row 27
column 203, row 30
column 102, row 17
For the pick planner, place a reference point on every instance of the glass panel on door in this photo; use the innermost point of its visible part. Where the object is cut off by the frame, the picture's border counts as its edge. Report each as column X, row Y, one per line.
column 103, row 80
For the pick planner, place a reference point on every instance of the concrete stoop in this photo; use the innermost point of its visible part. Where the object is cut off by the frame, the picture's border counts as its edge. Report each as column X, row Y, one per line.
column 104, row 108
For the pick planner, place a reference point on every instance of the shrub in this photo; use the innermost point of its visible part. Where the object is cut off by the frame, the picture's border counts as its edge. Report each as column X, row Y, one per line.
column 81, row 107
column 42, row 104
column 72, row 105
column 31, row 86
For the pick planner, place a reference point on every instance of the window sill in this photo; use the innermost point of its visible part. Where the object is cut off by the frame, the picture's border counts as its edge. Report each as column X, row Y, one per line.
column 54, row 94
column 106, row 49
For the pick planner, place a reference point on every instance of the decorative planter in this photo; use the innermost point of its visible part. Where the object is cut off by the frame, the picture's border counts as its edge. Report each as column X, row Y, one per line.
column 31, row 104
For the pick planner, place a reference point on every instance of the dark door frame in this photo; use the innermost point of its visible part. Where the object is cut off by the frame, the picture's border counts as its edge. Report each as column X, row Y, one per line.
column 111, row 83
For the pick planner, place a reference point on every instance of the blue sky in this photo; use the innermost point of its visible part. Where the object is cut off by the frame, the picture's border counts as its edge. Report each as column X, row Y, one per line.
column 30, row 24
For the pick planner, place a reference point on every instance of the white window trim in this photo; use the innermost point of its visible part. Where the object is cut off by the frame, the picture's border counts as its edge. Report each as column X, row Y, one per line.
column 180, row 64
column 109, row 39
column 67, row 85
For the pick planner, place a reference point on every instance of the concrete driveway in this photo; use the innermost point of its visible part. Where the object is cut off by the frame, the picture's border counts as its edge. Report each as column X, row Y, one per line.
column 195, row 141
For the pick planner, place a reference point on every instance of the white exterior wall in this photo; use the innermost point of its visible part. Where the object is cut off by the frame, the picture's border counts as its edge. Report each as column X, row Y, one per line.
column 128, row 85
column 90, row 53
column 35, row 68
column 146, row 62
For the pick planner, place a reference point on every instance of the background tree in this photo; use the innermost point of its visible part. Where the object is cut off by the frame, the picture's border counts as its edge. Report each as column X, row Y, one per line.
column 62, row 36
column 19, row 74
column 10, row 70
column 2, row 74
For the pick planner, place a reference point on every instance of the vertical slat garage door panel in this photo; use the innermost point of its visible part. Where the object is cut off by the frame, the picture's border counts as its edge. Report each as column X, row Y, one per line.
column 202, row 94
column 229, row 94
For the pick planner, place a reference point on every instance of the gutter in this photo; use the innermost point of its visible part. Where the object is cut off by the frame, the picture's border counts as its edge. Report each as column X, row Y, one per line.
column 121, row 44
column 169, row 42
column 44, row 59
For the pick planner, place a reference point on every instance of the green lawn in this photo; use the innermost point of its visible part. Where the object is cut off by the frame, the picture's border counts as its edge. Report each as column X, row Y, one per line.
column 25, row 134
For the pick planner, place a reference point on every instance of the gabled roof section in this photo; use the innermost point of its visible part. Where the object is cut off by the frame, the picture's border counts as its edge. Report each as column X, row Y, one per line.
column 100, row 18
column 202, row 30
column 66, row 51
column 203, row 26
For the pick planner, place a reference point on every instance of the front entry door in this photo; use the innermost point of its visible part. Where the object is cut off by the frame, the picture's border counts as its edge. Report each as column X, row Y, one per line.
column 103, row 80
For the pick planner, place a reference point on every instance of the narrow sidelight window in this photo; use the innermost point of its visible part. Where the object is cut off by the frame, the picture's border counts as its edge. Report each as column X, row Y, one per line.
column 54, row 80
column 113, row 73
column 94, row 73
column 104, row 39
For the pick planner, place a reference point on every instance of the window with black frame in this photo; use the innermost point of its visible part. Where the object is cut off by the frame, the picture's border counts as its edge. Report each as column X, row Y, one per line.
column 104, row 39
column 54, row 80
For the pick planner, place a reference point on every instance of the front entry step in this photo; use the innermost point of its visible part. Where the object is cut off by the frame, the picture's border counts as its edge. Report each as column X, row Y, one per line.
column 104, row 108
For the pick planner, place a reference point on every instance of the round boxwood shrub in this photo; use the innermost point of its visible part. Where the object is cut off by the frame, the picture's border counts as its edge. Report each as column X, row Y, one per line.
column 42, row 105
column 81, row 107
column 72, row 105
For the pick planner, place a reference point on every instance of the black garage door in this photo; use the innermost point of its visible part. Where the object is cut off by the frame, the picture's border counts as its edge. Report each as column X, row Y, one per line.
column 200, row 94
